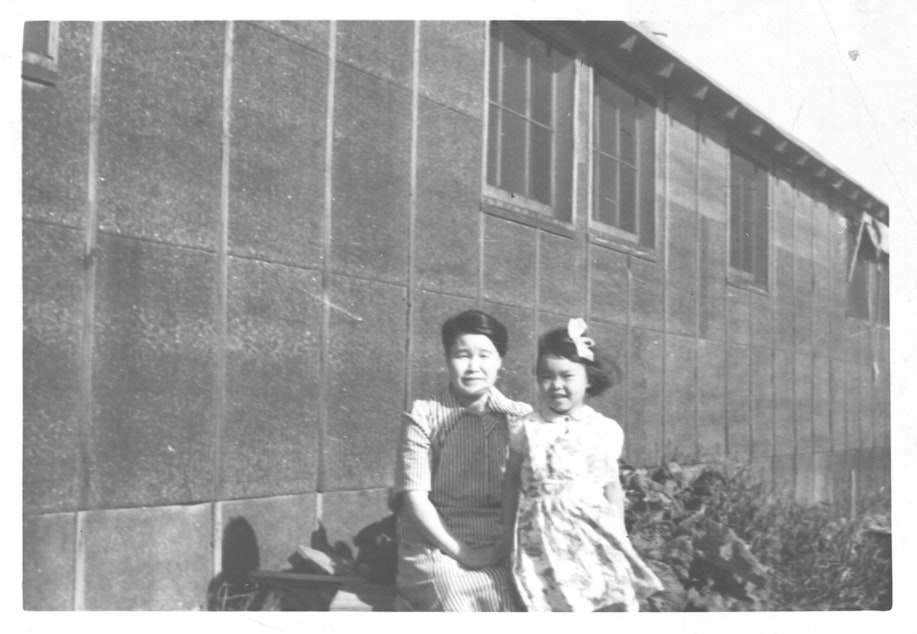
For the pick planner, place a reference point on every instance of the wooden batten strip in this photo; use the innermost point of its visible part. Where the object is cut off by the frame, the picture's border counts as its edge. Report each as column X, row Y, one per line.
column 628, row 43
column 666, row 70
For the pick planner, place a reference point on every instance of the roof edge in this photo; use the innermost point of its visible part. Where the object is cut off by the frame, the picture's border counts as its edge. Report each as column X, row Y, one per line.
column 798, row 156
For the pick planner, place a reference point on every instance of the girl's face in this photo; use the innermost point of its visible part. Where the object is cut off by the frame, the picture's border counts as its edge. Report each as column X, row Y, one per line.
column 562, row 383
column 473, row 364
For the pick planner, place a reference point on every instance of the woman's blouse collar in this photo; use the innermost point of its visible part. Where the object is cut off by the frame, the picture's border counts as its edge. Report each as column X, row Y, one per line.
column 494, row 403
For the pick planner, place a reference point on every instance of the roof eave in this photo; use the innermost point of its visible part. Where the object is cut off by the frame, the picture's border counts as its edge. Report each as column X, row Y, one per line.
column 793, row 152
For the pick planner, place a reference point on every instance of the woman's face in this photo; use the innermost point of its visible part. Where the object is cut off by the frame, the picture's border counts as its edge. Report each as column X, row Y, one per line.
column 473, row 363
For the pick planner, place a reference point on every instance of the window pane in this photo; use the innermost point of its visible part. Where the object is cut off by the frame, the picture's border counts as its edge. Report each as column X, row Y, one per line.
column 541, row 83
column 563, row 141
column 750, row 196
column 859, row 297
column 495, row 62
column 735, row 215
column 857, row 291
column 760, row 228
column 515, row 54
column 747, row 211
column 607, row 123
column 35, row 37
column 883, row 292
column 748, row 217
column 540, row 173
column 513, row 159
column 646, row 136
column 493, row 144
column 606, row 190
column 628, row 136
column 628, row 200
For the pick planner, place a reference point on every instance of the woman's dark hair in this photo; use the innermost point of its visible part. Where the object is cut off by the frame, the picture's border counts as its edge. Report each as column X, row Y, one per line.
column 602, row 372
column 474, row 322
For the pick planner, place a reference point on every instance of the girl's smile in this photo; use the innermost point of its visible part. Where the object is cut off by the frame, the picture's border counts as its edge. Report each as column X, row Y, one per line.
column 562, row 384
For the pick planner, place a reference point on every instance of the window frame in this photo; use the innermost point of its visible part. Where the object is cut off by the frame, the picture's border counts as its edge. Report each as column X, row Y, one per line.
column 736, row 276
column 883, row 291
column 874, row 290
column 504, row 203
column 41, row 67
column 602, row 232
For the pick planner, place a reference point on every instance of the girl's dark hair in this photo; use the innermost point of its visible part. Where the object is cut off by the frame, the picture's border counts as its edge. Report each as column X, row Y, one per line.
column 602, row 372
column 474, row 322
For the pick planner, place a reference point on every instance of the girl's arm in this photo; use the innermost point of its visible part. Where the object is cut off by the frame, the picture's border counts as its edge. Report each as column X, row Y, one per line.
column 418, row 504
column 614, row 493
column 511, row 481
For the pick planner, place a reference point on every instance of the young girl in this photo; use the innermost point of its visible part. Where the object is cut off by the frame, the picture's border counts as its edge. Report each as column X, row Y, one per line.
column 561, row 487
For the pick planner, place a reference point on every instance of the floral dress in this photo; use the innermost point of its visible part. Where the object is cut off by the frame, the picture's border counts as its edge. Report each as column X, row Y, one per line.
column 572, row 552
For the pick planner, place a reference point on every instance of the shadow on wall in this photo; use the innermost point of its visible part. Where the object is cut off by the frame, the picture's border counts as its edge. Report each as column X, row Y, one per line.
column 233, row 590
column 231, row 587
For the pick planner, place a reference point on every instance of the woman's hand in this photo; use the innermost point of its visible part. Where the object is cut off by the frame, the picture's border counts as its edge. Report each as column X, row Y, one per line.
column 504, row 549
column 482, row 557
column 418, row 504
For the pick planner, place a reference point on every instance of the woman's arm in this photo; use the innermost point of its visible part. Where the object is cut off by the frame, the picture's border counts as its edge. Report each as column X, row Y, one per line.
column 418, row 504
column 511, row 481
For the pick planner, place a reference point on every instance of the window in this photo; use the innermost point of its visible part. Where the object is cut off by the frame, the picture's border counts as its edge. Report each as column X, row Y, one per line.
column 39, row 52
column 530, row 121
column 883, row 275
column 858, row 278
column 623, row 174
column 868, row 275
column 748, row 220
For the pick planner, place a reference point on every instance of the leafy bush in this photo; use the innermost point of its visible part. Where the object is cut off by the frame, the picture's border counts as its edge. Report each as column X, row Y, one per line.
column 824, row 560
column 720, row 540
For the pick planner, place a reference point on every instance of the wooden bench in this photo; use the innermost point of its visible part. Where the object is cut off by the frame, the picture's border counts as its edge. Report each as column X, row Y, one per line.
column 339, row 593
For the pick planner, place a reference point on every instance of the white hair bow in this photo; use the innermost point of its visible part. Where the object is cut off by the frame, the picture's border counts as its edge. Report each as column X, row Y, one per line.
column 576, row 328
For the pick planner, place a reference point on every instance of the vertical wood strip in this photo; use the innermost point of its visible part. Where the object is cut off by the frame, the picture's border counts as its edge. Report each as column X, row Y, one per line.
column 79, row 580
column 582, row 140
column 536, row 311
column 216, row 519
column 697, row 280
column 749, row 388
column 90, row 266
column 663, row 448
column 727, row 195
column 412, row 220
column 220, row 384
column 774, row 298
column 324, row 361
column 793, row 346
column 479, row 287
column 628, row 336
column 813, row 450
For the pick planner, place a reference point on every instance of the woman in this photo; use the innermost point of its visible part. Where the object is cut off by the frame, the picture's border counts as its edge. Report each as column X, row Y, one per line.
column 449, row 475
